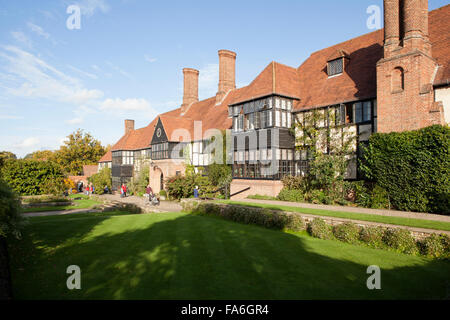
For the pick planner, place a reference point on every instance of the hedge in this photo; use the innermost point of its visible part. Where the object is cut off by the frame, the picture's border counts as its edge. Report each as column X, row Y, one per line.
column 413, row 167
column 30, row 177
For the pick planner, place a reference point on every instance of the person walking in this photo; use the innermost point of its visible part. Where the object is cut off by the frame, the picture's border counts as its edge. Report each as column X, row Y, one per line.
column 124, row 190
column 196, row 192
column 149, row 192
column 121, row 191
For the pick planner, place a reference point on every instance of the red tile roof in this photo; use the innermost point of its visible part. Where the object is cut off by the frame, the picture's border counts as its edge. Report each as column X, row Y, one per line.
column 107, row 157
column 309, row 83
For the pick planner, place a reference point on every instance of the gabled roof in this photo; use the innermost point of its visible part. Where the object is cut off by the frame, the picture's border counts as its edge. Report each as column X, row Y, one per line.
column 276, row 78
column 107, row 157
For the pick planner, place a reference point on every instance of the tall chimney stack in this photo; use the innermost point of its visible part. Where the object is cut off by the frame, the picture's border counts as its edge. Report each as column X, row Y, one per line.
column 190, row 94
column 227, row 73
column 129, row 126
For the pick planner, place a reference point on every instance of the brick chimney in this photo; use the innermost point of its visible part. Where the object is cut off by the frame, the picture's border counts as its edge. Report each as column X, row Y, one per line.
column 129, row 126
column 190, row 94
column 405, row 96
column 227, row 74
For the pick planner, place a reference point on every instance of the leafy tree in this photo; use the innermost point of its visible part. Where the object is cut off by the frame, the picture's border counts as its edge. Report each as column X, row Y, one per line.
column 5, row 155
column 79, row 149
column 10, row 219
column 101, row 179
column 44, row 155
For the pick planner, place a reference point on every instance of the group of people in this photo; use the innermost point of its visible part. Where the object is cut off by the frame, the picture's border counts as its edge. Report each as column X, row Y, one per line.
column 123, row 190
column 90, row 189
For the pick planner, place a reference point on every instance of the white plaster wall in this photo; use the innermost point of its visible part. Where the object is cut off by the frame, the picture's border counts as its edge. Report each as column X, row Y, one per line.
column 443, row 94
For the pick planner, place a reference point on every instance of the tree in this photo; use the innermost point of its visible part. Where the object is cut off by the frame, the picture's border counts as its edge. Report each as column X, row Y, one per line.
column 44, row 155
column 79, row 149
column 101, row 179
column 5, row 155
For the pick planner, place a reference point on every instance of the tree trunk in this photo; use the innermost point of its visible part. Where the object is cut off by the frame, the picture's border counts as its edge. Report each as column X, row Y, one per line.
column 5, row 275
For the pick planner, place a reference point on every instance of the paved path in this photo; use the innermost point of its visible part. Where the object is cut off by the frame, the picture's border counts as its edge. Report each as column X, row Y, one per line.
column 165, row 206
column 391, row 213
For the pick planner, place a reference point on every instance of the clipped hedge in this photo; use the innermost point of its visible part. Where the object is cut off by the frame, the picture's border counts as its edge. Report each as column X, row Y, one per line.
column 435, row 246
column 318, row 228
column 372, row 236
column 291, row 195
column 400, row 240
column 347, row 232
column 267, row 218
column 31, row 177
column 413, row 167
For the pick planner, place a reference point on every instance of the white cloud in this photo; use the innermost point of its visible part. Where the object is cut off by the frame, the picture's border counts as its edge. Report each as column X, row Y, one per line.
column 29, row 76
column 149, row 59
column 136, row 108
column 125, row 105
column 22, row 38
column 75, row 121
column 208, row 80
column 38, row 30
column 89, row 7
column 8, row 117
column 83, row 73
column 119, row 70
column 28, row 143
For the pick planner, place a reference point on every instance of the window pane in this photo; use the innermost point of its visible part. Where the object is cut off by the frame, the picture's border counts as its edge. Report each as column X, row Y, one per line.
column 358, row 112
column 367, row 110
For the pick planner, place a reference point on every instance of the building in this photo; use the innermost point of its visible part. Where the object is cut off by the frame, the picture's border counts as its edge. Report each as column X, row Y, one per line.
column 393, row 79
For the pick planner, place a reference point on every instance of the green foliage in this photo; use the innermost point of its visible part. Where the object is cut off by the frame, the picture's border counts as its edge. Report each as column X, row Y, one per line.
column 79, row 149
column 139, row 182
column 368, row 195
column 179, row 187
column 291, row 195
column 347, row 232
column 55, row 186
column 11, row 221
column 101, row 179
column 413, row 167
column 295, row 183
column 45, row 199
column 318, row 228
column 31, row 177
column 435, row 245
column 163, row 193
column 372, row 236
column 400, row 240
column 266, row 218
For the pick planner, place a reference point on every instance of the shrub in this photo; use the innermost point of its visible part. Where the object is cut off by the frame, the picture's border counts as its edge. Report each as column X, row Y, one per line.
column 10, row 219
column 400, row 240
column 318, row 197
column 434, row 245
column 180, row 187
column 28, row 177
column 55, row 186
column 295, row 223
column 101, row 179
column 372, row 236
column 318, row 228
column 347, row 232
column 291, row 195
column 413, row 167
column 163, row 193
column 295, row 183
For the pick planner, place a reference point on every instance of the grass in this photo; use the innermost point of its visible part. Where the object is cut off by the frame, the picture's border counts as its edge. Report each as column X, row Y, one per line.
column 79, row 204
column 182, row 256
column 409, row 222
column 84, row 203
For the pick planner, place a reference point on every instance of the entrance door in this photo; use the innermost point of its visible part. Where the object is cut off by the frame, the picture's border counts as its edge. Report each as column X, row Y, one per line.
column 162, row 181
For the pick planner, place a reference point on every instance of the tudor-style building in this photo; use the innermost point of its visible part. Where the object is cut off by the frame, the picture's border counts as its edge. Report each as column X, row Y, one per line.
column 393, row 79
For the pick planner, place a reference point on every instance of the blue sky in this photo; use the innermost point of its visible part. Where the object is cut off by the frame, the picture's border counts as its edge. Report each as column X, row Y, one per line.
column 126, row 60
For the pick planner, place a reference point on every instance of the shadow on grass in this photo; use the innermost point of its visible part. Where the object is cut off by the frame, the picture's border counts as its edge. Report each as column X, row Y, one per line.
column 179, row 256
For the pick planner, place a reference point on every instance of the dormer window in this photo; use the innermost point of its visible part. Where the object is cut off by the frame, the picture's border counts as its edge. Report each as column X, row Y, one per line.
column 335, row 67
column 337, row 62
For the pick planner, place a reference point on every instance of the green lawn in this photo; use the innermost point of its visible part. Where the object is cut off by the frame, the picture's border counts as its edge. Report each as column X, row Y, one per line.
column 418, row 223
column 182, row 256
column 84, row 203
